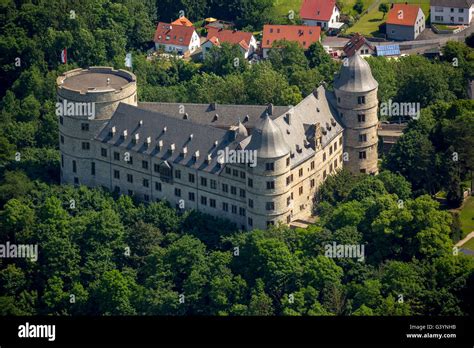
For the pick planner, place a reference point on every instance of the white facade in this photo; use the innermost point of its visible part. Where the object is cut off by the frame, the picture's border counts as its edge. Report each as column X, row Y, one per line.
column 194, row 44
column 206, row 46
column 451, row 15
column 326, row 24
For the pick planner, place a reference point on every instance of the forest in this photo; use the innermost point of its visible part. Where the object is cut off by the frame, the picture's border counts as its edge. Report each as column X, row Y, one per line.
column 101, row 254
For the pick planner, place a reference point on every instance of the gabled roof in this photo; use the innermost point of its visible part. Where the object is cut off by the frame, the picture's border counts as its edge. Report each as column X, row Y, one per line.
column 453, row 3
column 183, row 21
column 304, row 34
column 234, row 37
column 355, row 43
column 403, row 14
column 169, row 34
column 318, row 10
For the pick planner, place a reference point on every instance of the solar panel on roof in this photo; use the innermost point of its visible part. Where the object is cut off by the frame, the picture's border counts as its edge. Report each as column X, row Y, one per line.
column 388, row 50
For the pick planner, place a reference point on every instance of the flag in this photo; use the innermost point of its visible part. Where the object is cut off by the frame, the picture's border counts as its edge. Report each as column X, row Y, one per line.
column 128, row 60
column 64, row 56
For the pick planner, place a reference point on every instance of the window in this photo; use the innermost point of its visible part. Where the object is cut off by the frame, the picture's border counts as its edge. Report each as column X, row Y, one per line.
column 225, row 206
column 213, row 184
column 242, row 193
column 300, row 172
column 203, row 200
column 324, row 156
column 62, row 160
column 86, row 145
column 288, row 201
column 300, row 190
column 324, row 175
column 312, row 165
column 130, row 178
column 191, row 178
column 61, row 119
column 177, row 192
column 460, row 19
column 158, row 186
column 203, row 181
column 116, row 174
column 270, row 206
column 250, row 221
column 461, row 10
column 235, row 172
column 270, row 223
column 269, row 166
column 145, row 164
column 225, row 188
column 191, row 196
column 116, row 156
column 92, row 168
column 335, row 146
column 146, row 197
column 242, row 211
column 330, row 150
column 312, row 184
column 250, row 182
column 146, row 183
column 234, row 209
column 362, row 138
column 288, row 162
column 330, row 168
column 362, row 155
column 177, row 174
column 340, row 141
column 335, row 163
column 361, row 118
column 212, row 203
column 85, row 127
column 242, row 175
column 270, row 185
column 227, row 170
column 130, row 160
column 233, row 190
column 76, row 181
column 360, row 100
column 363, row 171
column 74, row 167
column 251, row 203
column 103, row 152
column 62, row 139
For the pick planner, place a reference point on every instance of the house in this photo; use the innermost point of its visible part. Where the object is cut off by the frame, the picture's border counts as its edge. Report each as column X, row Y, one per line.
column 358, row 43
column 303, row 34
column 452, row 11
column 245, row 40
column 323, row 13
column 182, row 21
column 179, row 39
column 405, row 22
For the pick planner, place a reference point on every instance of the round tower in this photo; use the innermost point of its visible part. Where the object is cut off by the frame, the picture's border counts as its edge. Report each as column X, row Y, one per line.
column 266, row 184
column 86, row 100
column 356, row 93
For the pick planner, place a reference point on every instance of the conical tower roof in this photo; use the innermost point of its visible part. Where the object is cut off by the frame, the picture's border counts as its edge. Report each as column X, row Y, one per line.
column 268, row 140
column 356, row 76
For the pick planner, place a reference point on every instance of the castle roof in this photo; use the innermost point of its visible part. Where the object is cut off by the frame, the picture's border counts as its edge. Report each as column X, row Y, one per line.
column 355, row 76
column 268, row 140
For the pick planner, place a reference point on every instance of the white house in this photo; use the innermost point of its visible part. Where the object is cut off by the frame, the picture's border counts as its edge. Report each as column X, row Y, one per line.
column 178, row 39
column 322, row 13
column 245, row 40
column 455, row 12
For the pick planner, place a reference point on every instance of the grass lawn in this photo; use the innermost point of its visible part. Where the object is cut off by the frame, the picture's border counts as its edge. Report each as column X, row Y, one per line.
column 282, row 7
column 467, row 216
column 369, row 23
column 469, row 245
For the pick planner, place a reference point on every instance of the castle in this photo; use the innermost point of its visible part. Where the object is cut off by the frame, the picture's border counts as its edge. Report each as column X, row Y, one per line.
column 254, row 165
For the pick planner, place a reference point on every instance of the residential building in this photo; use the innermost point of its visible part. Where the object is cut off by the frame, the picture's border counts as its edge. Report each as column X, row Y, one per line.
column 359, row 44
column 174, row 151
column 245, row 40
column 182, row 21
column 323, row 13
column 454, row 12
column 179, row 39
column 303, row 34
column 405, row 22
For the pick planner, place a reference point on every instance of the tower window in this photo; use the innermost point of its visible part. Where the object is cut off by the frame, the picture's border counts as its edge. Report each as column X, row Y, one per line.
column 234, row 209
column 145, row 164
column 250, row 182
column 86, row 145
column 361, row 118
column 177, row 192
column 203, row 200
column 362, row 138
column 130, row 178
column 146, row 183
column 203, row 181
column 191, row 196
column 270, row 185
column 85, row 127
column 92, row 168
column 270, row 206
column 74, row 167
column 251, row 203
column 233, row 190
column 116, row 174
column 361, row 100
column 269, row 166
column 158, row 186
column 116, row 156
column 362, row 155
column 212, row 203
column 242, row 193
column 191, row 177
column 103, row 152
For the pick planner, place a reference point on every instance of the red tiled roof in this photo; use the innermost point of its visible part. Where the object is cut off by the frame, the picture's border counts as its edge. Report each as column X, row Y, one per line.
column 173, row 34
column 183, row 21
column 231, row 36
column 304, row 34
column 403, row 14
column 319, row 10
column 354, row 44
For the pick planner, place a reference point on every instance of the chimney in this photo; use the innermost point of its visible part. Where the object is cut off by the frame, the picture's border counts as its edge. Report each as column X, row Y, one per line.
column 213, row 106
